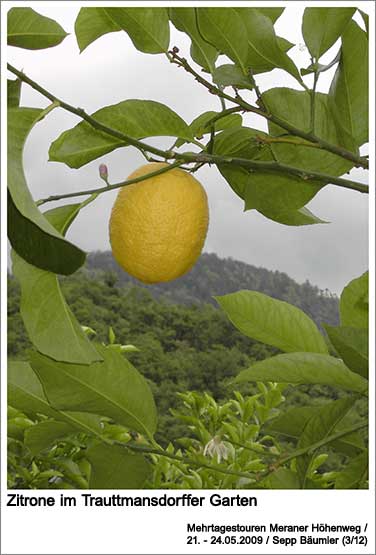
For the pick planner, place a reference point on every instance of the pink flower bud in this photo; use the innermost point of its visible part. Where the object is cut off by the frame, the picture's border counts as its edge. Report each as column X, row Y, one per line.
column 103, row 172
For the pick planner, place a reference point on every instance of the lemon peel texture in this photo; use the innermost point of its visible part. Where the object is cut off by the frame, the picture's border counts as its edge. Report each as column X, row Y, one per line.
column 158, row 226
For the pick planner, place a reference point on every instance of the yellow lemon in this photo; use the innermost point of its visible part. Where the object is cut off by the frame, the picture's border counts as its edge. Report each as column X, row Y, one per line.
column 158, row 226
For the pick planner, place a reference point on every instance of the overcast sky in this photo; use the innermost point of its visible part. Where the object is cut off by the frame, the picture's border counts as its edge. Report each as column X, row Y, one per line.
column 111, row 70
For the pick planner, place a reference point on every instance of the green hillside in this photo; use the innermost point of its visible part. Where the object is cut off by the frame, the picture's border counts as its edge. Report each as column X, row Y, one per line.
column 217, row 276
column 185, row 342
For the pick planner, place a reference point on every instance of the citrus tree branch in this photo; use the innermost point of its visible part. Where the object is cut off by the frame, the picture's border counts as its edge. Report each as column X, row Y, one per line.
column 334, row 149
column 202, row 157
column 83, row 115
column 160, row 452
column 96, row 192
column 313, row 447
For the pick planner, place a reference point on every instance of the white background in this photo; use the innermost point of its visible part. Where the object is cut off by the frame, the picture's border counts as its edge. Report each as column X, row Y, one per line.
column 164, row 530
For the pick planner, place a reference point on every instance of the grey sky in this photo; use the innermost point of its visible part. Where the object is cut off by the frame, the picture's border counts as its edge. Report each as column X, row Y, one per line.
column 111, row 70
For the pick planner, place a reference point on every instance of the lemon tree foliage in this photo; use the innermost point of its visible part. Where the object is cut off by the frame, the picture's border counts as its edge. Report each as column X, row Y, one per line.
column 80, row 414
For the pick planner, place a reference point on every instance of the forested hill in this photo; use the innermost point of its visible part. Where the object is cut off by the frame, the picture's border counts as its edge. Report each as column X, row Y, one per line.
column 217, row 276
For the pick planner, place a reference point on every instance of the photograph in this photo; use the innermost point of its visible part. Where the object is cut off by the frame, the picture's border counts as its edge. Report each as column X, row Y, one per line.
column 187, row 251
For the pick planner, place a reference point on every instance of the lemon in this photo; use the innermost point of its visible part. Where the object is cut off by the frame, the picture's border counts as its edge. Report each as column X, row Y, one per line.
column 158, row 226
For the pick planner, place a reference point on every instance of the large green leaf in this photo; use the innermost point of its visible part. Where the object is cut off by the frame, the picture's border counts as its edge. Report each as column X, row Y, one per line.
column 264, row 50
column 135, row 118
column 115, row 467
column 30, row 234
column 280, row 196
column 319, row 427
column 224, row 29
column 291, row 425
column 295, row 108
column 323, row 26
column 25, row 393
column 49, row 322
column 28, row 29
column 110, row 388
column 273, row 322
column 304, row 368
column 92, row 23
column 203, row 53
column 348, row 92
column 355, row 474
column 352, row 346
column 277, row 196
column 44, row 434
column 231, row 75
column 353, row 304
column 148, row 28
column 13, row 92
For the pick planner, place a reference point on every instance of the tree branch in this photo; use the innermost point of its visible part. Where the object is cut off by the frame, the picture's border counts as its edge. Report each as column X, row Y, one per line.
column 312, row 447
column 334, row 149
column 274, row 167
column 160, row 452
column 83, row 115
column 96, row 192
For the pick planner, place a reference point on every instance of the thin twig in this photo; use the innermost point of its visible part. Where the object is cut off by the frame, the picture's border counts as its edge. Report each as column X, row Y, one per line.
column 313, row 103
column 274, row 167
column 334, row 149
column 313, row 447
column 96, row 192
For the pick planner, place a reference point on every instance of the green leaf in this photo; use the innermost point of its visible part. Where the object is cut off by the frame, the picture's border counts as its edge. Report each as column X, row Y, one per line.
column 135, row 118
column 92, row 23
column 201, row 125
column 295, row 108
column 282, row 478
column 353, row 304
column 323, row 26
column 25, row 393
column 301, row 216
column 220, row 26
column 115, row 467
column 319, row 427
column 241, row 143
column 291, row 425
column 28, row 29
column 272, row 321
column 30, row 234
column 304, row 368
column 204, row 54
column 42, row 435
column 272, row 13
column 62, row 217
column 230, row 75
column 355, row 474
column 348, row 92
column 352, row 346
column 13, row 92
column 50, row 324
column 264, row 50
column 148, row 28
column 110, row 388
column 365, row 19
column 280, row 196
